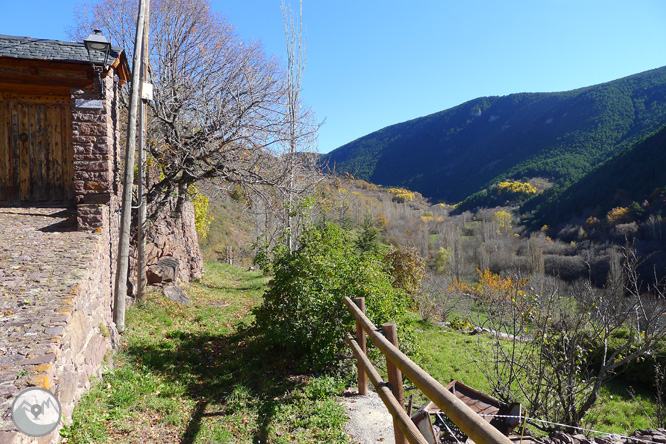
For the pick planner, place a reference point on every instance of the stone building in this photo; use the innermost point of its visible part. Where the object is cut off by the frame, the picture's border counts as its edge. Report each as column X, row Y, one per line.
column 60, row 141
column 59, row 138
column 60, row 197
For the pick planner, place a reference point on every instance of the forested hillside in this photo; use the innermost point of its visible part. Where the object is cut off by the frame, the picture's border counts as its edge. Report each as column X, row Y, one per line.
column 560, row 136
column 636, row 174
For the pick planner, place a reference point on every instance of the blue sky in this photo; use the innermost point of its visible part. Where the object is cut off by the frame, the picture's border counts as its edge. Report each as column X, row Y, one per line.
column 374, row 63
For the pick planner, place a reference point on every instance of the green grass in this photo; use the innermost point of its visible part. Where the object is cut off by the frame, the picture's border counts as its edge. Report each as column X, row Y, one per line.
column 450, row 355
column 197, row 374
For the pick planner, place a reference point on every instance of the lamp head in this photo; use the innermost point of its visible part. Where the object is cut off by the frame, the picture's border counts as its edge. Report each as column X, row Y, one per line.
column 96, row 42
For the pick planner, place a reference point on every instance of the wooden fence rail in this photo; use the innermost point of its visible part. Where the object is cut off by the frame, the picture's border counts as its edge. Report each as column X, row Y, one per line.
column 480, row 431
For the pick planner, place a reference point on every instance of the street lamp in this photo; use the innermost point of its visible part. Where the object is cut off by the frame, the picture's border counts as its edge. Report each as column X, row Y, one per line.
column 95, row 44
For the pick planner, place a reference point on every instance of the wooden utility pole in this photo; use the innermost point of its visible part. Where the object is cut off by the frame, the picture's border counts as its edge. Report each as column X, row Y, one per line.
column 126, row 213
column 143, row 204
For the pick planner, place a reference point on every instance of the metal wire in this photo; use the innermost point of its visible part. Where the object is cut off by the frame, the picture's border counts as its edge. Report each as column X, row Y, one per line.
column 610, row 435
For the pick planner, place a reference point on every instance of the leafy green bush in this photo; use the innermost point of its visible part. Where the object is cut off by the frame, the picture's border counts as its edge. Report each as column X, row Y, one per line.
column 303, row 315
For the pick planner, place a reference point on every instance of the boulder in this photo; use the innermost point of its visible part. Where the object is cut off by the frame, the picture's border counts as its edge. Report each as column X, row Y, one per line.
column 166, row 270
column 175, row 293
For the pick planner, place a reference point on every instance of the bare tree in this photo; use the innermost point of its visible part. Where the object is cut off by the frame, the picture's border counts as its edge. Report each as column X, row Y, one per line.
column 435, row 302
column 295, row 65
column 560, row 352
column 282, row 211
column 220, row 108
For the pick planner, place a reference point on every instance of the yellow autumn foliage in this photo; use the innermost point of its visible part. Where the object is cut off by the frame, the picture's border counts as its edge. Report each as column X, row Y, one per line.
column 619, row 215
column 494, row 289
column 503, row 219
column 516, row 188
column 202, row 216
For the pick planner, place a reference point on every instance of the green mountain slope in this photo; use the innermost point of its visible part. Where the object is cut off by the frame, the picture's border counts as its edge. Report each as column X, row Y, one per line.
column 560, row 136
column 633, row 175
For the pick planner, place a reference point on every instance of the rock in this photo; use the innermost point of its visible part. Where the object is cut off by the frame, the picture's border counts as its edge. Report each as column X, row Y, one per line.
column 175, row 293
column 166, row 270
column 582, row 439
column 561, row 437
column 175, row 237
column 40, row 360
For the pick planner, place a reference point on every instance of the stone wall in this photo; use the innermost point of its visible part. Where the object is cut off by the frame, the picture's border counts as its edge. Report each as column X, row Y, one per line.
column 648, row 436
column 96, row 145
column 96, row 140
column 170, row 236
column 56, row 324
column 90, row 332
column 59, row 341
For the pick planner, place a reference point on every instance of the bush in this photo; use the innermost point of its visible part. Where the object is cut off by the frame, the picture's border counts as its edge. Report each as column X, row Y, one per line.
column 567, row 268
column 406, row 268
column 303, row 316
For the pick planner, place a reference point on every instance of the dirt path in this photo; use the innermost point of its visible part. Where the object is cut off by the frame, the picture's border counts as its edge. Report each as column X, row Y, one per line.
column 369, row 420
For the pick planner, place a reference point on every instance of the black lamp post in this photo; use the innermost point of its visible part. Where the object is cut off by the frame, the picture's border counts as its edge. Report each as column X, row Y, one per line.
column 97, row 44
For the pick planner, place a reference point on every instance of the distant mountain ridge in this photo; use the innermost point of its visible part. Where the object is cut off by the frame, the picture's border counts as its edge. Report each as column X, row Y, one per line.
column 562, row 136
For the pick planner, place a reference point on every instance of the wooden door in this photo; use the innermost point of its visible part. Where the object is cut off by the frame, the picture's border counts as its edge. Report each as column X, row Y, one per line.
column 35, row 150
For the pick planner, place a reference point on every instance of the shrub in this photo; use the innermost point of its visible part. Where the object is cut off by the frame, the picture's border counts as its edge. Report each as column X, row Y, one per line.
column 406, row 268
column 303, row 316
column 567, row 268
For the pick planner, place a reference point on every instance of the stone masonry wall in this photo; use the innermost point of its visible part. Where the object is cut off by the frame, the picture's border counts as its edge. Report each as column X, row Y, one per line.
column 96, row 140
column 90, row 332
column 56, row 324
column 97, row 153
column 57, row 269
column 168, row 236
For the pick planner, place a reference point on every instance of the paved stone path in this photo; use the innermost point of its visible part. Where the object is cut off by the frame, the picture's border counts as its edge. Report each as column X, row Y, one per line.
column 369, row 420
column 42, row 258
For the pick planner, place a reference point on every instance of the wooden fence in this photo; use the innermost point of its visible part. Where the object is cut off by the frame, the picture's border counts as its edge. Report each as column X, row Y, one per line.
column 397, row 363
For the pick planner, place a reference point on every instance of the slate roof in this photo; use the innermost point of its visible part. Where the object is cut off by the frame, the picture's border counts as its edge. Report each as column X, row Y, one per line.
column 43, row 49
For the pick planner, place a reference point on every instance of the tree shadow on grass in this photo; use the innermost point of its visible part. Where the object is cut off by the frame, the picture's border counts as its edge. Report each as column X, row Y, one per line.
column 248, row 287
column 213, row 367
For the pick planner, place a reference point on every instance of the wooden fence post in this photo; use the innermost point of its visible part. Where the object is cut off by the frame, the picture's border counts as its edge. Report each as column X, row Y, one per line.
column 395, row 379
column 460, row 413
column 360, row 338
